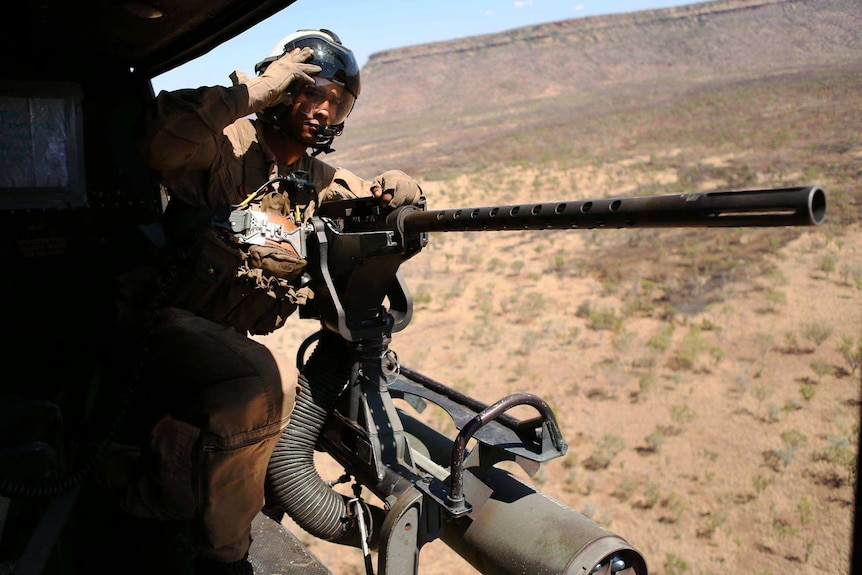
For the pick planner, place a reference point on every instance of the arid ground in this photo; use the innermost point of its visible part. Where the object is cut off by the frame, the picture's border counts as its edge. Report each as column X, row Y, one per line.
column 707, row 381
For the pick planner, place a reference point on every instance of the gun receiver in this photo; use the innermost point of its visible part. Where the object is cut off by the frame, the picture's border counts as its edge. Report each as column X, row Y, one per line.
column 355, row 248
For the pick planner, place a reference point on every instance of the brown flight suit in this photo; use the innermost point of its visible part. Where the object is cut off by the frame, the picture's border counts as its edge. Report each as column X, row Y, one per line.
column 221, row 398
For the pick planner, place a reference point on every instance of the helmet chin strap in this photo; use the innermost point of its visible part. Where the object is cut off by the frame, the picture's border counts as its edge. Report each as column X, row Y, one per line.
column 325, row 136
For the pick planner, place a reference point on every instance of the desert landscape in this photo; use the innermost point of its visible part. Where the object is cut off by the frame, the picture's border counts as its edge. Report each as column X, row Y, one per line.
column 707, row 381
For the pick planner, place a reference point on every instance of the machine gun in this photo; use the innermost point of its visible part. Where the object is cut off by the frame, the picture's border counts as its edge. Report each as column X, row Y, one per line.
column 433, row 486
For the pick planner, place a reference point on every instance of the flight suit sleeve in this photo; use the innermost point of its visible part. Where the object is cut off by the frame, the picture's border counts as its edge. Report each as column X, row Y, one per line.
column 179, row 129
column 180, row 126
column 344, row 185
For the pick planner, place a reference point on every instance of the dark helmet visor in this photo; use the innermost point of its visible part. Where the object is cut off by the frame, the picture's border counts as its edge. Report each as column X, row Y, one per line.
column 337, row 63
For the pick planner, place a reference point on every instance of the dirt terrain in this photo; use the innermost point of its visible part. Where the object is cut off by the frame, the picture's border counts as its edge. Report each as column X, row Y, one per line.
column 707, row 381
column 721, row 440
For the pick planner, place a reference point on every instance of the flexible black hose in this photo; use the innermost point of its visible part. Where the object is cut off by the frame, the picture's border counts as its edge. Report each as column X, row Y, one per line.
column 293, row 483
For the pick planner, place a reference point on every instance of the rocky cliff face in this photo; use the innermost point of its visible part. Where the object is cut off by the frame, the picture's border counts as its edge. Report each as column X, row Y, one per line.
column 539, row 75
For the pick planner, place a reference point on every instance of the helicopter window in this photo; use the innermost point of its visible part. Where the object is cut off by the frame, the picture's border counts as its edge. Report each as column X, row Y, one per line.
column 41, row 148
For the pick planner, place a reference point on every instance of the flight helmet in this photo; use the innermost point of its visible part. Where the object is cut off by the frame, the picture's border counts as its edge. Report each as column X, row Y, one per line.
column 338, row 66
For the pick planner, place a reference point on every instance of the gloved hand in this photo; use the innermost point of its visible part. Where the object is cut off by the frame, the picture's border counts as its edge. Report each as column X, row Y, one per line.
column 269, row 88
column 395, row 188
column 280, row 261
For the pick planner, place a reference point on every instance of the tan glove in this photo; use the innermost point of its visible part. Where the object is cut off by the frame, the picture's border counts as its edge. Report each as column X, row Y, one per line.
column 395, row 188
column 269, row 88
column 279, row 260
column 344, row 185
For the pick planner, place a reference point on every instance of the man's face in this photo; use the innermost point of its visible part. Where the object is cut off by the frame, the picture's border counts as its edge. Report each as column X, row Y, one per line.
column 313, row 107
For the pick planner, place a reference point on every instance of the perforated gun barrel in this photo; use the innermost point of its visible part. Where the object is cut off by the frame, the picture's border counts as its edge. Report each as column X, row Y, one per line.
column 803, row 206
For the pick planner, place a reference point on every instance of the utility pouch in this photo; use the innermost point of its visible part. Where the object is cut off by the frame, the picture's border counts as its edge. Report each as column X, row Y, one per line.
column 275, row 244
column 244, row 264
column 223, row 286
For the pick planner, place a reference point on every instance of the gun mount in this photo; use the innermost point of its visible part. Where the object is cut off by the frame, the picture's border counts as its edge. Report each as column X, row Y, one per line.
column 432, row 486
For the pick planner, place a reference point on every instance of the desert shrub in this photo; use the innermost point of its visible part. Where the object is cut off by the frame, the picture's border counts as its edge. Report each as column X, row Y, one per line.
column 791, row 405
column 652, row 495
column 558, row 262
column 570, row 460
column 820, row 368
column 682, row 414
column 496, row 264
column 607, row 448
column 516, row 266
column 583, row 310
column 848, row 274
column 827, row 265
column 777, row 277
column 816, row 332
column 626, row 489
column 772, row 411
column 776, row 299
column 622, row 341
column 675, row 507
column 708, row 528
column 531, row 305
column 805, row 508
column 792, row 439
column 840, row 453
column 485, row 302
column 646, row 382
column 727, row 311
column 675, row 565
column 689, row 349
column 764, row 344
column 708, row 454
column 422, row 294
column 484, row 335
column 760, row 483
column 457, row 289
column 662, row 340
column 637, row 304
column 604, row 319
column 853, row 276
column 655, row 440
column 784, row 529
column 851, row 352
column 791, row 343
column 529, row 341
column 761, row 393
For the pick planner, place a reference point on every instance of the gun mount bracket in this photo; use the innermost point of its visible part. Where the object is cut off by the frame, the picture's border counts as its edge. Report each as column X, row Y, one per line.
column 439, row 492
column 535, row 439
column 508, row 439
